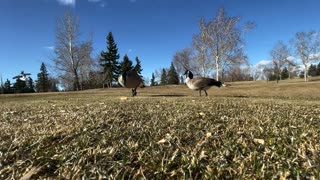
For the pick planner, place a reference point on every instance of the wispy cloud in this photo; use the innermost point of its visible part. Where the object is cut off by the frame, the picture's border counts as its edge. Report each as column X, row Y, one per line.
column 101, row 2
column 51, row 48
column 264, row 63
column 67, row 2
column 73, row 2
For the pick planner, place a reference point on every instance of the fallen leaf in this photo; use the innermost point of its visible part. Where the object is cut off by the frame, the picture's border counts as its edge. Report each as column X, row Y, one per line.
column 260, row 141
column 162, row 141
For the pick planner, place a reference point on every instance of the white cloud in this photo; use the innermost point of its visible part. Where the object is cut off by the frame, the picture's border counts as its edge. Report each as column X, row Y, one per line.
column 103, row 4
column 73, row 2
column 51, row 48
column 264, row 62
column 291, row 58
column 67, row 2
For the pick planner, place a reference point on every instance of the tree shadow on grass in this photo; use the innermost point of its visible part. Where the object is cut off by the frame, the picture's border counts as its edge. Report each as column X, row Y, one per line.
column 166, row 95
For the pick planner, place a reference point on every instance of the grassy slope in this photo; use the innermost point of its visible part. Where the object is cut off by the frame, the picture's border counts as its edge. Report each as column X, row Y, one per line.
column 247, row 130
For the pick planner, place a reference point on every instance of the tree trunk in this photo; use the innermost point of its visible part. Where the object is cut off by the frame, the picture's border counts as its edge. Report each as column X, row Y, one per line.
column 305, row 73
column 77, row 83
column 217, row 68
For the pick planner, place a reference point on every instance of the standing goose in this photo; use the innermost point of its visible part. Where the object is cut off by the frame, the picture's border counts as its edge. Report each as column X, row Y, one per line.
column 200, row 83
column 130, row 79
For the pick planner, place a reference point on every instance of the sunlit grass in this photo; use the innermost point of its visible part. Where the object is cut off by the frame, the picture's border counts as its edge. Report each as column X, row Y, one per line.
column 248, row 130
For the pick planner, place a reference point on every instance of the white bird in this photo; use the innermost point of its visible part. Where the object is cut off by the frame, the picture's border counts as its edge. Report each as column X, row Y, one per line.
column 200, row 83
column 130, row 79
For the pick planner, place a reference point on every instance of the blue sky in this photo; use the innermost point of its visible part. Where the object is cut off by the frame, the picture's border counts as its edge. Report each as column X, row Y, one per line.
column 153, row 30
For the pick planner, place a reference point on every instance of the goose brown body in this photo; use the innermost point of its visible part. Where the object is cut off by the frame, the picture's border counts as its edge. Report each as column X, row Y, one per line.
column 200, row 83
column 130, row 79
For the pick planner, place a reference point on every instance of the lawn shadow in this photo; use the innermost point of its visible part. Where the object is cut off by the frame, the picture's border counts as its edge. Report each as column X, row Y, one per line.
column 167, row 95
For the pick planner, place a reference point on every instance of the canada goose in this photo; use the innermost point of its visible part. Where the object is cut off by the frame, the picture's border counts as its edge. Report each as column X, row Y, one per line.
column 130, row 79
column 22, row 76
column 200, row 83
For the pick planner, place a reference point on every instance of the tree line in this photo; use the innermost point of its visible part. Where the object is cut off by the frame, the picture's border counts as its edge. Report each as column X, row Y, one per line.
column 73, row 64
column 218, row 51
column 44, row 83
column 166, row 76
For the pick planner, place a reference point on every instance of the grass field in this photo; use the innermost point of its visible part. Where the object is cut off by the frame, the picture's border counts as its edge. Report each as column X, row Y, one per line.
column 249, row 130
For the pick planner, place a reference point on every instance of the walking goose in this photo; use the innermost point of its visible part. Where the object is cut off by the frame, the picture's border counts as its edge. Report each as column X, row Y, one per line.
column 130, row 79
column 200, row 83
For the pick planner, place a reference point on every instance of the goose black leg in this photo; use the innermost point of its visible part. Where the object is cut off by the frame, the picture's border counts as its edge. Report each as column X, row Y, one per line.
column 200, row 92
column 135, row 91
column 206, row 92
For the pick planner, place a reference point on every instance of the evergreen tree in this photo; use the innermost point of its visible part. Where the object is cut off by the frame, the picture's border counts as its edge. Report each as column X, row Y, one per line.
column 153, row 83
column 109, row 61
column 301, row 74
column 53, row 84
column 1, row 87
column 42, row 83
column 30, row 85
column 284, row 73
column 173, row 77
column 20, row 86
column 312, row 70
column 126, row 64
column 164, row 79
column 7, row 87
column 137, row 67
column 318, row 69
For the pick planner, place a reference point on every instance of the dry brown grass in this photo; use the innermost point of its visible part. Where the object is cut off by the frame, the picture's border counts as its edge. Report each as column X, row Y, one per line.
column 248, row 130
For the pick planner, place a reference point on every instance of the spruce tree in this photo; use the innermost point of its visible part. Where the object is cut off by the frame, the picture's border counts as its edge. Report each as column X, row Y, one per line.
column 312, row 70
column 153, row 83
column 164, row 77
column 109, row 61
column 137, row 67
column 53, row 84
column 20, row 86
column 7, row 87
column 42, row 83
column 284, row 73
column 1, row 87
column 126, row 64
column 30, row 85
column 173, row 77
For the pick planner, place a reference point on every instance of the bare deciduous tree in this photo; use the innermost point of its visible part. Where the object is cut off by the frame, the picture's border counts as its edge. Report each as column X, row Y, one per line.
column 291, row 66
column 73, row 57
column 307, row 46
column 279, row 54
column 237, row 73
column 183, row 60
column 223, row 39
column 202, row 53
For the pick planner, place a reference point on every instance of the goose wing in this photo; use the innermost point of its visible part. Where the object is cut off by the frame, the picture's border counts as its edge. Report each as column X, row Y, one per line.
column 133, row 80
column 202, row 82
